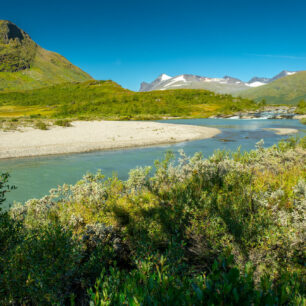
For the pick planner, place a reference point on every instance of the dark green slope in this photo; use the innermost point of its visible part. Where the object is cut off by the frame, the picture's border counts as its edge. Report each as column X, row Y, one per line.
column 25, row 65
column 288, row 90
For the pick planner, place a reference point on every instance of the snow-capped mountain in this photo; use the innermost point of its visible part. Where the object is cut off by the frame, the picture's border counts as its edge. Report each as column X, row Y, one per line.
column 227, row 84
column 262, row 81
column 150, row 86
column 163, row 82
column 282, row 74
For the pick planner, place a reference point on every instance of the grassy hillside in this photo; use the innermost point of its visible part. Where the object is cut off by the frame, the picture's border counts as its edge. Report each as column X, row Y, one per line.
column 287, row 90
column 107, row 99
column 228, row 230
column 25, row 65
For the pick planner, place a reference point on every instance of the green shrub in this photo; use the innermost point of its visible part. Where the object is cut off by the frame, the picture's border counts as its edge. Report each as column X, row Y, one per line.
column 41, row 125
column 42, row 268
column 4, row 186
column 62, row 122
column 224, row 285
column 301, row 107
column 193, row 231
column 35, row 116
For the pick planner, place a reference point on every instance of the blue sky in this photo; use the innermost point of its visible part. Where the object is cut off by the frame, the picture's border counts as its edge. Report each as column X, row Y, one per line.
column 130, row 41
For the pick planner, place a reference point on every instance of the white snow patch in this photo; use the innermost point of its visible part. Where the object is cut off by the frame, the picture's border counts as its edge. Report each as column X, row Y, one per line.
column 165, row 77
column 205, row 79
column 255, row 84
column 290, row 72
column 179, row 78
column 215, row 80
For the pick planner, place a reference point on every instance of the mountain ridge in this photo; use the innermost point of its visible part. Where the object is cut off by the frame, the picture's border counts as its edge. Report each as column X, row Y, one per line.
column 227, row 84
column 289, row 89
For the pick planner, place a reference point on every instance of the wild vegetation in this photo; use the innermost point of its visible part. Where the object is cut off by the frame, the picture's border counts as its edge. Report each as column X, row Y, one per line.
column 108, row 100
column 225, row 230
column 301, row 108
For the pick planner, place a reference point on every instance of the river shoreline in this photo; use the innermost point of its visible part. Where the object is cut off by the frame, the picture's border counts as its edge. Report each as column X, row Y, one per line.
column 267, row 112
column 87, row 136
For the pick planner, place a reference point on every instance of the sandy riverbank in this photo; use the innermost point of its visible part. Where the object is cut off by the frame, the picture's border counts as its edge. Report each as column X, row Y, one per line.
column 85, row 136
column 282, row 131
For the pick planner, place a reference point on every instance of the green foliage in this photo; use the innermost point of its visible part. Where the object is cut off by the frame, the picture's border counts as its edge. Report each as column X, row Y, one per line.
column 225, row 230
column 62, row 122
column 301, row 107
column 46, row 265
column 41, row 268
column 4, row 187
column 41, row 125
column 287, row 90
column 108, row 100
column 224, row 285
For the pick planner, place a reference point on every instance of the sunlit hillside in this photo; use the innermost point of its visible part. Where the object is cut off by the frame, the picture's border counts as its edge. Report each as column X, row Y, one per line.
column 108, row 100
column 25, row 65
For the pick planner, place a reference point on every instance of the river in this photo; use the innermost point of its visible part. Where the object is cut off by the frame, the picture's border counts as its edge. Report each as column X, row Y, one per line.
column 34, row 177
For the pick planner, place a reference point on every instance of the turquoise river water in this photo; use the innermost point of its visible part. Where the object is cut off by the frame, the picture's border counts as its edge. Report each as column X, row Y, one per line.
column 34, row 177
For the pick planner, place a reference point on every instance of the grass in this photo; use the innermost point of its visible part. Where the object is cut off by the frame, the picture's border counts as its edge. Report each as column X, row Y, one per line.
column 48, row 68
column 17, row 111
column 108, row 100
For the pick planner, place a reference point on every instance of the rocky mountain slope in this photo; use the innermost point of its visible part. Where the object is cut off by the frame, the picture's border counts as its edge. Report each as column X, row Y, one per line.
column 25, row 65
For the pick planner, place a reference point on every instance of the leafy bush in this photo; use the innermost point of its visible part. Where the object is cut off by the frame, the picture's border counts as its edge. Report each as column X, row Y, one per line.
column 34, row 116
column 41, row 268
column 48, row 266
column 41, row 125
column 4, row 186
column 301, row 108
column 193, row 231
column 62, row 122
column 224, row 285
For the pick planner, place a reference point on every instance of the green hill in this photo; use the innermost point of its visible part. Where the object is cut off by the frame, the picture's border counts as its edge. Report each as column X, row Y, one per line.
column 25, row 65
column 288, row 90
column 107, row 99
